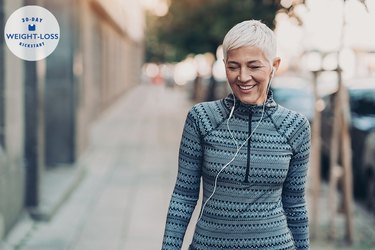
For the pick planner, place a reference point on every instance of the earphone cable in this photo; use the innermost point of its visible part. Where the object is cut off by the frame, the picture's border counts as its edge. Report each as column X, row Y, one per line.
column 234, row 157
column 238, row 148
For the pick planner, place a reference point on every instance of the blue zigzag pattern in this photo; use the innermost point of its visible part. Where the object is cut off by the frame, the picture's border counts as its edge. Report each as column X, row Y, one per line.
column 268, row 212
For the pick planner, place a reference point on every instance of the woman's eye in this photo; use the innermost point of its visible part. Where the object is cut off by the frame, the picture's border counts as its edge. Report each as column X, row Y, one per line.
column 254, row 67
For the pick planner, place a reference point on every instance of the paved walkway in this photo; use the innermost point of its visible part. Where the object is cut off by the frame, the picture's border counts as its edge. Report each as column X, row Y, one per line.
column 131, row 167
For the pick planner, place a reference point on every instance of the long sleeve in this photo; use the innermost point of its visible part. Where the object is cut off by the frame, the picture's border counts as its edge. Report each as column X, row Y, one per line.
column 186, row 190
column 293, row 196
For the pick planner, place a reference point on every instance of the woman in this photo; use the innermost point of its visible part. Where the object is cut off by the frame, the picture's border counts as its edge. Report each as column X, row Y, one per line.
column 251, row 154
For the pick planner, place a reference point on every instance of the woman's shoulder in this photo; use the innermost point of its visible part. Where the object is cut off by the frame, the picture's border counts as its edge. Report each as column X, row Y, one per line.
column 211, row 107
column 208, row 115
column 290, row 123
column 288, row 116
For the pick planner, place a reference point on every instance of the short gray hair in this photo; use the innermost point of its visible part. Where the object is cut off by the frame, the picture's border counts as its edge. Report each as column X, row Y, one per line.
column 251, row 33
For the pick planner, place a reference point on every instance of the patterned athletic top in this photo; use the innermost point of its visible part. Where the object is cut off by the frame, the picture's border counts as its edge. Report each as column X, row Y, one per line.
column 259, row 202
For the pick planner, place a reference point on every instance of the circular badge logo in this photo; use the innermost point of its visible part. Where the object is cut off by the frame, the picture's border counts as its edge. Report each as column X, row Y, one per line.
column 32, row 33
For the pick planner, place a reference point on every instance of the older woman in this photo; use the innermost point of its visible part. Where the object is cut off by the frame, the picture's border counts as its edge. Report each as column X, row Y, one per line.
column 251, row 153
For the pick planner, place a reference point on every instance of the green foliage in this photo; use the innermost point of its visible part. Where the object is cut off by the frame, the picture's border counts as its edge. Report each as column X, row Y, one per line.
column 199, row 26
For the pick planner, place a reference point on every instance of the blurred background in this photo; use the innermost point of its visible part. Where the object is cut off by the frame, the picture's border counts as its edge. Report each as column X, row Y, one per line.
column 89, row 136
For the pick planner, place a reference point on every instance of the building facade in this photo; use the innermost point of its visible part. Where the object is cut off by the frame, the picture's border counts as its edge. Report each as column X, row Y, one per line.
column 47, row 106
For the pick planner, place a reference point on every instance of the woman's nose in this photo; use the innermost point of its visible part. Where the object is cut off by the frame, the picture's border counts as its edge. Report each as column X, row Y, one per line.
column 244, row 76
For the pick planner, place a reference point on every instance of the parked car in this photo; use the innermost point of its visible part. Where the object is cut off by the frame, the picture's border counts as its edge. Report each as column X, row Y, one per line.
column 294, row 93
column 362, row 125
column 369, row 169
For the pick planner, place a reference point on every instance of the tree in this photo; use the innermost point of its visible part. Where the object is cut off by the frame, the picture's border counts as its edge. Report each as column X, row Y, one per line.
column 199, row 26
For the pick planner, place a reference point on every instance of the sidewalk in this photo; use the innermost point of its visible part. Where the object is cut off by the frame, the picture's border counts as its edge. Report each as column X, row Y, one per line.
column 363, row 222
column 131, row 168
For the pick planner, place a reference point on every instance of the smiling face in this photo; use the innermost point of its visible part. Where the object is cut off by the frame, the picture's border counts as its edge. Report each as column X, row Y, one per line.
column 248, row 72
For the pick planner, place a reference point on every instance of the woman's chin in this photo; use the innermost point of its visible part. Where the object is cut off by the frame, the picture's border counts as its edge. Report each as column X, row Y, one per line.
column 246, row 98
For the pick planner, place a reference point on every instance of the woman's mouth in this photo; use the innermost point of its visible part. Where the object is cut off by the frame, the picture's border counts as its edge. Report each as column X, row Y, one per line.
column 246, row 87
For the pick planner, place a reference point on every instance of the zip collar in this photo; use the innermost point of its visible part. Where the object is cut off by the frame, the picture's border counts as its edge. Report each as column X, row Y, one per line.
column 242, row 110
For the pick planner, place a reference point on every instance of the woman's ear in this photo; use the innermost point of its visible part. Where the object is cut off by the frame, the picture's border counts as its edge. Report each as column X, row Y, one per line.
column 276, row 63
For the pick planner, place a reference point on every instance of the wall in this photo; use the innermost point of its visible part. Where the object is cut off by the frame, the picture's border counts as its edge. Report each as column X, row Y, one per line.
column 12, row 121
column 108, row 58
column 47, row 107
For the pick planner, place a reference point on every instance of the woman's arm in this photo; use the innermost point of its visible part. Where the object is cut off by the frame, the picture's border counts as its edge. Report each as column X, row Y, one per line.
column 293, row 196
column 186, row 190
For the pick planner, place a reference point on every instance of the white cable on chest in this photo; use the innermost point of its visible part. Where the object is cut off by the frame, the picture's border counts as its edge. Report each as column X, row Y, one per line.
column 235, row 141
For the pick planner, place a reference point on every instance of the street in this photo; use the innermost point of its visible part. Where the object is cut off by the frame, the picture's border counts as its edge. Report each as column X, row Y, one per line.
column 131, row 166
